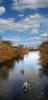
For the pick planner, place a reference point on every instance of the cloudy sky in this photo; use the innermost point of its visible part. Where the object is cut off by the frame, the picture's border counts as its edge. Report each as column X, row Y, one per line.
column 24, row 21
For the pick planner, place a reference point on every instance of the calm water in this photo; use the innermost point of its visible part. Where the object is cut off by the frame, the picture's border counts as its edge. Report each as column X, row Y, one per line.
column 12, row 79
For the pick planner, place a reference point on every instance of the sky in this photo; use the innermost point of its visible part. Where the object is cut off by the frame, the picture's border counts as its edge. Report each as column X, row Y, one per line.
column 24, row 21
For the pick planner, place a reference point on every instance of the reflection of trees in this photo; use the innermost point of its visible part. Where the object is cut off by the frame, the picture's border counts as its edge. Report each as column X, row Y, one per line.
column 45, row 91
column 43, row 70
column 4, row 70
column 19, row 58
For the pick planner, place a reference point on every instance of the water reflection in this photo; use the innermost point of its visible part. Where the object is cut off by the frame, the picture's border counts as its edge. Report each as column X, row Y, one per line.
column 44, row 65
column 4, row 70
column 43, row 71
column 14, row 74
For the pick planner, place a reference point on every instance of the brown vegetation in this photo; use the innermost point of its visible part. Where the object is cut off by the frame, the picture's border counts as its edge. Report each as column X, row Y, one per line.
column 44, row 52
column 8, row 52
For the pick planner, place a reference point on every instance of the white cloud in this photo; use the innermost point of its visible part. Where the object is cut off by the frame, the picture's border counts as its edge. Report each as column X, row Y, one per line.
column 7, row 24
column 2, row 10
column 34, row 39
column 34, row 22
column 44, row 35
column 15, row 40
column 20, row 15
column 20, row 4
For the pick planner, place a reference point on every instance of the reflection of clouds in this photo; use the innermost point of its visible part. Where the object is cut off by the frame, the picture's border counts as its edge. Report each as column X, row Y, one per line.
column 32, row 57
column 29, row 64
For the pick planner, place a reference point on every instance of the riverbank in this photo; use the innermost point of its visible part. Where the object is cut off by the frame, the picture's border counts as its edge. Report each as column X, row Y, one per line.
column 8, row 52
column 44, row 52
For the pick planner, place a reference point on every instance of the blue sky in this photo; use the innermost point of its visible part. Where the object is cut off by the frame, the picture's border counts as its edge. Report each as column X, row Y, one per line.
column 24, row 21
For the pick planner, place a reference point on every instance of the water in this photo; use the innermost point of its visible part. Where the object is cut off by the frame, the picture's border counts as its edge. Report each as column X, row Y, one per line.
column 28, row 69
